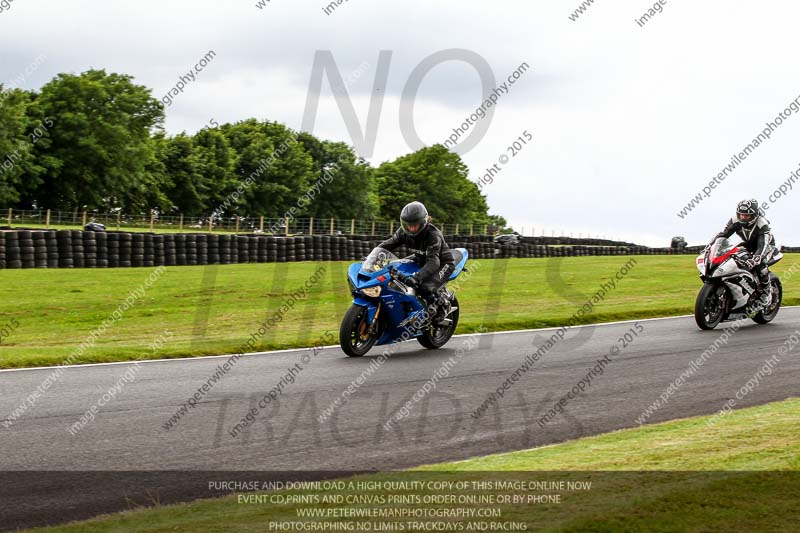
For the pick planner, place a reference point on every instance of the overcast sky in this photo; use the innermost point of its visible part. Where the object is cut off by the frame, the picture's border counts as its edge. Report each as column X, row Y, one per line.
column 629, row 122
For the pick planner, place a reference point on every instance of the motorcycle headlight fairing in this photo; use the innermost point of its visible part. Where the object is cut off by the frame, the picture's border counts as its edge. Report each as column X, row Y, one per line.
column 372, row 292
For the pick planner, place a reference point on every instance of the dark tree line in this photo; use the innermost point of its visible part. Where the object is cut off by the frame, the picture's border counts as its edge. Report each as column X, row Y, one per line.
column 96, row 141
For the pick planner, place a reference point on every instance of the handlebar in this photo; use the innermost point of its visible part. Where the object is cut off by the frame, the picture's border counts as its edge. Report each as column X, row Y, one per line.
column 398, row 275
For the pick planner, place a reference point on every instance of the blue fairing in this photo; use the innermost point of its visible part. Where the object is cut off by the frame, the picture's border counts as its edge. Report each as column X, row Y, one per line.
column 370, row 305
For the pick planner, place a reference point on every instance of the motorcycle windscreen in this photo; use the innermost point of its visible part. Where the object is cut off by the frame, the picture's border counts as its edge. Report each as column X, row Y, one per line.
column 377, row 260
column 722, row 249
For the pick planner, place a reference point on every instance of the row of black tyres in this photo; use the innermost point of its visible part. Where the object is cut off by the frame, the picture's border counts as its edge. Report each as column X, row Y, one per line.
column 86, row 249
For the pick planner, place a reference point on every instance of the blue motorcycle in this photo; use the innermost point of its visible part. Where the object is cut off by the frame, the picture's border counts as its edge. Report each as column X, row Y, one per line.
column 386, row 309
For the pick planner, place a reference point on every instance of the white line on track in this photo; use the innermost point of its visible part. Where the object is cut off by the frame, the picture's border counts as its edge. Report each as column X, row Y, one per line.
column 208, row 357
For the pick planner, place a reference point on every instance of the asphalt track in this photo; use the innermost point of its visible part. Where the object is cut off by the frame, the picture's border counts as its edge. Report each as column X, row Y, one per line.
column 49, row 476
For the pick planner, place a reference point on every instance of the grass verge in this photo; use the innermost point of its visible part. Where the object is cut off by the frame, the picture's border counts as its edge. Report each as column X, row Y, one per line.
column 213, row 310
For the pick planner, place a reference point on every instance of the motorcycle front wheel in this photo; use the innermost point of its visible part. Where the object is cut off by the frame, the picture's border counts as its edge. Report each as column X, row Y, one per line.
column 354, row 336
column 711, row 306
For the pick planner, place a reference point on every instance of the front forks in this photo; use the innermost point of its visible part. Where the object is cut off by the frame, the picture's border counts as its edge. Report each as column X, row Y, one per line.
column 372, row 327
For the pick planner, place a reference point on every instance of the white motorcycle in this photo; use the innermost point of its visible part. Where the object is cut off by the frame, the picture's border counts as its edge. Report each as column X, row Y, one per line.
column 729, row 288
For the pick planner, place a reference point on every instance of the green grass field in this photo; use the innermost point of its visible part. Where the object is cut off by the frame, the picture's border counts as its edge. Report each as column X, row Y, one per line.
column 741, row 474
column 56, row 310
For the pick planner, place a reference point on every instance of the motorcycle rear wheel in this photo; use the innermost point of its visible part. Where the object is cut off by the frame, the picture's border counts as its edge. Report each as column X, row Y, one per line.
column 768, row 315
column 435, row 336
column 711, row 306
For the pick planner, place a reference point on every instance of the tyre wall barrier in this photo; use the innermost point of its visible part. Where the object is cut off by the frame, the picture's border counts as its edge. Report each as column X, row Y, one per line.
column 86, row 249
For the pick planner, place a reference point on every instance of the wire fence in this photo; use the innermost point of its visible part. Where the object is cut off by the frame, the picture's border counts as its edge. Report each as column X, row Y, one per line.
column 160, row 223
column 181, row 224
column 155, row 222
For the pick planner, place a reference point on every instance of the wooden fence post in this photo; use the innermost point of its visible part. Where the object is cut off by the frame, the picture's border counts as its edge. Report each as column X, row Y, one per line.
column 237, row 224
column 311, row 226
column 352, row 226
column 84, row 219
column 47, row 220
column 152, row 221
column 261, row 225
column 9, row 217
column 331, row 226
column 287, row 226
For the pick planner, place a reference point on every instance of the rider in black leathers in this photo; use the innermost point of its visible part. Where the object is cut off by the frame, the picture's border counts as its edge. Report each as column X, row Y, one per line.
column 430, row 251
column 754, row 230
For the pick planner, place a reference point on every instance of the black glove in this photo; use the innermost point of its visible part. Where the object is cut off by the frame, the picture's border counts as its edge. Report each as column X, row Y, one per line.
column 412, row 281
column 753, row 262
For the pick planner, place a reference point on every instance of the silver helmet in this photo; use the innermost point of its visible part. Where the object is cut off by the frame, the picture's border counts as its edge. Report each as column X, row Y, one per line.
column 747, row 212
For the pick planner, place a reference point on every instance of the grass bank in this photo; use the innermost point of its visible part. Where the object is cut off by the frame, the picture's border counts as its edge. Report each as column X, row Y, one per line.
column 212, row 310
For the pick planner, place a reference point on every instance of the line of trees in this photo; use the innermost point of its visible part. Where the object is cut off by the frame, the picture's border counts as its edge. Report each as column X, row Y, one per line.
column 96, row 141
